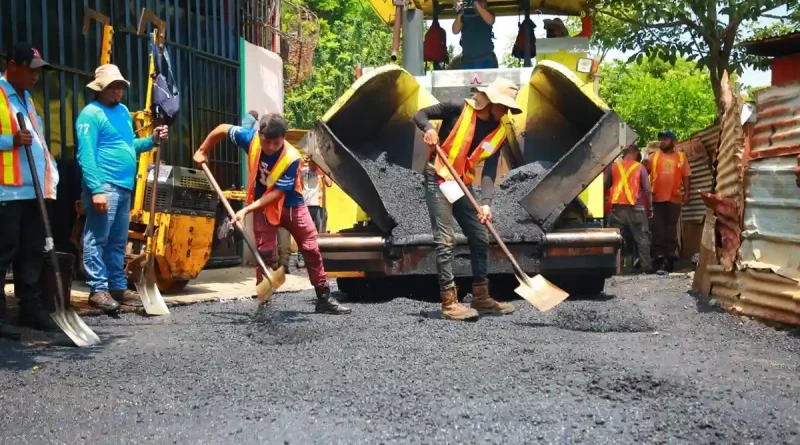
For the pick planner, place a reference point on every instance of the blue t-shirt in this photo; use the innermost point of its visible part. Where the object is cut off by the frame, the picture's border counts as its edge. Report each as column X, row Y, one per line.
column 107, row 150
column 243, row 137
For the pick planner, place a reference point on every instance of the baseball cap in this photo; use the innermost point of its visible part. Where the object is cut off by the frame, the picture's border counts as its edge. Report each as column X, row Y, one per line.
column 633, row 148
column 667, row 134
column 25, row 54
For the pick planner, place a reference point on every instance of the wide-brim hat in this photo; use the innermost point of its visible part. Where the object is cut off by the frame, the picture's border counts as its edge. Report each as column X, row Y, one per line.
column 556, row 23
column 104, row 76
column 501, row 92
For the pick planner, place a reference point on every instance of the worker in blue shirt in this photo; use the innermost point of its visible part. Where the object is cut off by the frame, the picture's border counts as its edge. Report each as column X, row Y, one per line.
column 107, row 153
column 22, row 234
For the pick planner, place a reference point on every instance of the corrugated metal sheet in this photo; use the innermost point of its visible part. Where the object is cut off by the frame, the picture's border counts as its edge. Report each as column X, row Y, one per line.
column 710, row 138
column 757, row 294
column 771, row 235
column 729, row 160
column 777, row 128
column 701, row 179
column 728, row 228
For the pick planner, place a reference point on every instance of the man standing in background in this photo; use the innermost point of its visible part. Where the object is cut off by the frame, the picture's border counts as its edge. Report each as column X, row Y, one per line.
column 250, row 119
column 107, row 154
column 669, row 177
column 22, row 234
column 311, row 195
column 474, row 23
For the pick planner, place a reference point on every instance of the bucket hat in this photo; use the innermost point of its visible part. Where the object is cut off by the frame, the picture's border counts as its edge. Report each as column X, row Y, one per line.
column 501, row 92
column 104, row 76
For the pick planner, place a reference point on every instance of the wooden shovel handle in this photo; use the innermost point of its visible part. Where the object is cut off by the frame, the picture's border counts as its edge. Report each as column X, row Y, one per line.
column 489, row 225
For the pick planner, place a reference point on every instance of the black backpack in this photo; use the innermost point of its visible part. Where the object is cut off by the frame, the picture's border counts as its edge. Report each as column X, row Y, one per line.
column 166, row 100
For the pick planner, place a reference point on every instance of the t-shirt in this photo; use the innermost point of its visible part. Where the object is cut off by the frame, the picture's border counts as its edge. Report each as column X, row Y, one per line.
column 476, row 39
column 243, row 137
column 107, row 150
column 665, row 184
column 310, row 185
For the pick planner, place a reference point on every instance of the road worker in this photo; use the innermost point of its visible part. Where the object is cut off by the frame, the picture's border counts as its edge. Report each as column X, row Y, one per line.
column 474, row 23
column 473, row 134
column 22, row 234
column 631, row 201
column 275, row 195
column 669, row 178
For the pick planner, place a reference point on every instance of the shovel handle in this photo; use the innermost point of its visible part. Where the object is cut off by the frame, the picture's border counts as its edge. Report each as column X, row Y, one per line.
column 48, row 231
column 250, row 244
column 520, row 273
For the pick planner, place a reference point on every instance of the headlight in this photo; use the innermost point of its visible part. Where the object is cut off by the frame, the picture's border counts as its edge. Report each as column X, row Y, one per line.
column 585, row 65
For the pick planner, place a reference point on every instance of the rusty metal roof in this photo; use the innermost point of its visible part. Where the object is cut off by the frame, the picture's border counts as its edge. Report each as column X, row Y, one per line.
column 773, row 46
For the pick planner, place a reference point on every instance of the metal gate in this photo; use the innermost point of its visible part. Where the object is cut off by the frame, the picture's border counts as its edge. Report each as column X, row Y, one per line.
column 203, row 41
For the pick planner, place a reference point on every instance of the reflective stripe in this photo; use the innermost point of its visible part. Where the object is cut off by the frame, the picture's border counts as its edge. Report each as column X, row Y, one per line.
column 10, row 172
column 289, row 155
column 623, row 184
column 654, row 168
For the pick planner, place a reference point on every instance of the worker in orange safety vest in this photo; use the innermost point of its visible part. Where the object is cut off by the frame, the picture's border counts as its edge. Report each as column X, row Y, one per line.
column 275, row 197
column 473, row 134
column 631, row 201
column 669, row 177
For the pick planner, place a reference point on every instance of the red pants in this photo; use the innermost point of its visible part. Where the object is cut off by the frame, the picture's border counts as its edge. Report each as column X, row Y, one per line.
column 298, row 222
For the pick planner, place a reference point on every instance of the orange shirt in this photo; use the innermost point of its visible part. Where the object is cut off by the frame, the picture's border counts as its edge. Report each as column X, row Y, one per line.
column 669, row 178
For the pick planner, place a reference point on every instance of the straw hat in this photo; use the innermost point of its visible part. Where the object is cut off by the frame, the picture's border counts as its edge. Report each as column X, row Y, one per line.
column 106, row 75
column 501, row 92
column 556, row 23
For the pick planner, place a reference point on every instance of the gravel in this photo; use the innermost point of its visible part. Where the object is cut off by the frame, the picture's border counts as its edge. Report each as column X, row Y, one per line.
column 639, row 365
column 509, row 217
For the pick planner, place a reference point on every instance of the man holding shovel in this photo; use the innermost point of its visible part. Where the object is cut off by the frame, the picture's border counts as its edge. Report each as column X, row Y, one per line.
column 275, row 196
column 107, row 153
column 473, row 134
column 22, row 234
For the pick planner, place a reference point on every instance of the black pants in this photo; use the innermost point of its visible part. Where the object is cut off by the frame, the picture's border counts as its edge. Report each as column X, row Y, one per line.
column 666, row 216
column 21, row 245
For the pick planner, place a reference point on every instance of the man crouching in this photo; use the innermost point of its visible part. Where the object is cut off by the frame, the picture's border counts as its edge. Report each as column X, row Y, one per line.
column 276, row 189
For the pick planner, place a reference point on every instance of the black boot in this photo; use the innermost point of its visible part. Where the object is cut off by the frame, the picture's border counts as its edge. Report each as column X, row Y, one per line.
column 326, row 304
column 35, row 316
column 7, row 331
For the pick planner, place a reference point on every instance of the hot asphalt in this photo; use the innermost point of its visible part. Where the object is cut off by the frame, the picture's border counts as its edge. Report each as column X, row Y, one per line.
column 644, row 363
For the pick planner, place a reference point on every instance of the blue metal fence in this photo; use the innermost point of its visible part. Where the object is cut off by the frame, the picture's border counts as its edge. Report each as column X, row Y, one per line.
column 203, row 41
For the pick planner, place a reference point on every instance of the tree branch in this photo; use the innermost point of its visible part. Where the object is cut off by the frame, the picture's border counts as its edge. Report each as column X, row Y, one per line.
column 641, row 24
column 776, row 17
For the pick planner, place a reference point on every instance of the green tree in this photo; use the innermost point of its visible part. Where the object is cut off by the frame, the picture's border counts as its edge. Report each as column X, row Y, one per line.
column 705, row 32
column 656, row 95
column 350, row 34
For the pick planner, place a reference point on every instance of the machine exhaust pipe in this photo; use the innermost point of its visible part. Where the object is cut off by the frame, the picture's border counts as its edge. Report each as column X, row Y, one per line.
column 341, row 242
column 589, row 238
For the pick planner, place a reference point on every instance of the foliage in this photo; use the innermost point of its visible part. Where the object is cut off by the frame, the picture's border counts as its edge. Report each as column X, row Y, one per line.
column 705, row 33
column 350, row 34
column 655, row 96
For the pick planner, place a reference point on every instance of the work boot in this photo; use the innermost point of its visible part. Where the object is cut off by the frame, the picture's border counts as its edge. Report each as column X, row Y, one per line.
column 484, row 304
column 37, row 317
column 326, row 304
column 452, row 309
column 102, row 300
column 126, row 297
column 7, row 331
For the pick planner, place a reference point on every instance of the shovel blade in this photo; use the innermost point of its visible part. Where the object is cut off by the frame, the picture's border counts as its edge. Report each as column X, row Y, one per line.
column 271, row 282
column 77, row 331
column 151, row 297
column 541, row 294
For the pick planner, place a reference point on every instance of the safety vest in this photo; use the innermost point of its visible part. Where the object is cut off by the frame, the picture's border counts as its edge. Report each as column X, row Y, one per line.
column 287, row 157
column 458, row 142
column 655, row 169
column 625, row 180
column 10, row 166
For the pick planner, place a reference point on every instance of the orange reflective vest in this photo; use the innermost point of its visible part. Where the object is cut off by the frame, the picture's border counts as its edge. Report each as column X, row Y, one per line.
column 625, row 180
column 457, row 146
column 10, row 167
column 287, row 157
column 677, row 174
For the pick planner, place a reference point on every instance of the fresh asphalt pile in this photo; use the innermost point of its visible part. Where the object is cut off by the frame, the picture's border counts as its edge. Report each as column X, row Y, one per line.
column 403, row 193
column 216, row 373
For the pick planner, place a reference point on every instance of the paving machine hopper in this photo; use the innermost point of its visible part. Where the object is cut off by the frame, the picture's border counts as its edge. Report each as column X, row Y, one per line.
column 563, row 123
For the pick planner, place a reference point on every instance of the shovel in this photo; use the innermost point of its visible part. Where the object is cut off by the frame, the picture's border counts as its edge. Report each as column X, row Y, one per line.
column 69, row 321
column 273, row 279
column 144, row 265
column 537, row 291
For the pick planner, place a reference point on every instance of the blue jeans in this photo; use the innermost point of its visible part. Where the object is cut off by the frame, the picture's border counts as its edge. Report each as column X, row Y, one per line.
column 105, row 238
column 484, row 64
column 444, row 236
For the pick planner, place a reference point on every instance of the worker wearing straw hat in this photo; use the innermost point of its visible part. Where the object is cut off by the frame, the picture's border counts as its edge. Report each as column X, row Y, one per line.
column 107, row 153
column 473, row 135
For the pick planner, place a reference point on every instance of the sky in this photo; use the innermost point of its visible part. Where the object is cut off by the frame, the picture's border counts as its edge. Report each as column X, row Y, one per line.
column 505, row 31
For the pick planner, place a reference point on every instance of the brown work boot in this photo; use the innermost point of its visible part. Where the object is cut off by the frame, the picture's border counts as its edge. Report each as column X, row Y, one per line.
column 102, row 300
column 452, row 309
column 483, row 303
column 126, row 297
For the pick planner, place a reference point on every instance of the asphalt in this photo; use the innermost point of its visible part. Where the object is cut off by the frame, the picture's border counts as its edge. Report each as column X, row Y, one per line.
column 644, row 363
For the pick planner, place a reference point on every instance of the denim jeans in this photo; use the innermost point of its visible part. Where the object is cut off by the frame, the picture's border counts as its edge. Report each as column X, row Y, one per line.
column 105, row 238
column 444, row 236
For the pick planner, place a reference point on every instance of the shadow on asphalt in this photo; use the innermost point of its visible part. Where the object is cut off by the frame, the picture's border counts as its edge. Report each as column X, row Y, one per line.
column 36, row 347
